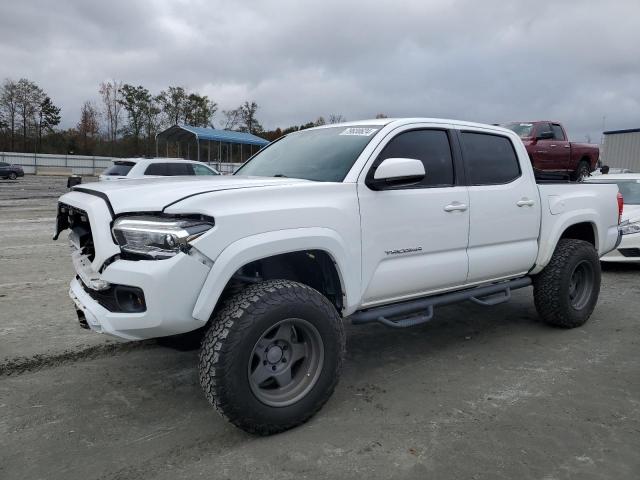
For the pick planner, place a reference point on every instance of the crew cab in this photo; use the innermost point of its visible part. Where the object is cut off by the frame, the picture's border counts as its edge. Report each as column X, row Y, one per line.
column 550, row 150
column 378, row 221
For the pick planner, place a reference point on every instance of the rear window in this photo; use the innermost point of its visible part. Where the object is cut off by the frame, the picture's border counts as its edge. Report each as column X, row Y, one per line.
column 120, row 169
column 489, row 159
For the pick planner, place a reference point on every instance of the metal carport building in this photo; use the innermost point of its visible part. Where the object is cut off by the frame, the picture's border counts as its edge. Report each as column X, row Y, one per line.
column 208, row 144
column 621, row 149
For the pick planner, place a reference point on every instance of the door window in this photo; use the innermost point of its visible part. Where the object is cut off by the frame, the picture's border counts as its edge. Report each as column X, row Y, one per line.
column 177, row 169
column 489, row 159
column 156, row 169
column 202, row 170
column 431, row 147
column 558, row 134
column 542, row 128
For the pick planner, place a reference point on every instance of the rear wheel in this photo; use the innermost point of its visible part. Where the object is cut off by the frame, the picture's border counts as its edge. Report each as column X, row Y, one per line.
column 566, row 291
column 582, row 172
column 13, row 176
column 272, row 356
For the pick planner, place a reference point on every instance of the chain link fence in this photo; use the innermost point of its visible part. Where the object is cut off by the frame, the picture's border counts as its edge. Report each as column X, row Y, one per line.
column 46, row 164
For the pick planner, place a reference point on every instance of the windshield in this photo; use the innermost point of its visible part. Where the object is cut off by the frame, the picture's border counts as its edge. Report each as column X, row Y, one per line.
column 323, row 155
column 524, row 130
column 630, row 190
column 119, row 168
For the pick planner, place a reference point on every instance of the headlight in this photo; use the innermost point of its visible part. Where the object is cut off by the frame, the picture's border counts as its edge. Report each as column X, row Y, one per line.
column 158, row 237
column 629, row 228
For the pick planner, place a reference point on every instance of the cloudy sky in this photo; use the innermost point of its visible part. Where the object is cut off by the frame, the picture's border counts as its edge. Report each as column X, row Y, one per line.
column 491, row 61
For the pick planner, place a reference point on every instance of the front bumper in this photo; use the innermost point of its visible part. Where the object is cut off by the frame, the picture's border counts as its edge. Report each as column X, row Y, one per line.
column 627, row 251
column 171, row 288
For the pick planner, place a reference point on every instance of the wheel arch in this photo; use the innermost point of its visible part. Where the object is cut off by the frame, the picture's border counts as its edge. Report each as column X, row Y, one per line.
column 284, row 254
column 582, row 227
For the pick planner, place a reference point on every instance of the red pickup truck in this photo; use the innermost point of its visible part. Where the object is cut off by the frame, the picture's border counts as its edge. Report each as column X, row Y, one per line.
column 550, row 150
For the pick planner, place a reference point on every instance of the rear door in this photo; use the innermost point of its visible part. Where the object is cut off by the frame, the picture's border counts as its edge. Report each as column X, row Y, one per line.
column 414, row 238
column 504, row 220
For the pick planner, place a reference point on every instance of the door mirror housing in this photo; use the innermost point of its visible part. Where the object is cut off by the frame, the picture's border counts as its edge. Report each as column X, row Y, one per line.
column 545, row 135
column 393, row 172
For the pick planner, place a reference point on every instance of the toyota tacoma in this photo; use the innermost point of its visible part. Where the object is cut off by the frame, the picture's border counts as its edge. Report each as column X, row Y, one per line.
column 372, row 221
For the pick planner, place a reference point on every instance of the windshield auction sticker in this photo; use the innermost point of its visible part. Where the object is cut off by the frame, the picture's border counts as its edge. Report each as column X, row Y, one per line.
column 360, row 131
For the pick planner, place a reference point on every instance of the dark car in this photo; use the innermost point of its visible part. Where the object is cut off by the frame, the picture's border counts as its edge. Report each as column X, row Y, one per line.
column 10, row 171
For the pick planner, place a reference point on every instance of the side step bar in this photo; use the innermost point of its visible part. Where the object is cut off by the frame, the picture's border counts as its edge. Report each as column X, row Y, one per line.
column 419, row 311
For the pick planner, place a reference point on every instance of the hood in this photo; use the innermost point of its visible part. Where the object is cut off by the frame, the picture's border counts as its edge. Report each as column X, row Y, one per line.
column 154, row 194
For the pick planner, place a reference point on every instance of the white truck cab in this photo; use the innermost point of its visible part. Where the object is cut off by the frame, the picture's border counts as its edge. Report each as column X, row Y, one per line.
column 370, row 221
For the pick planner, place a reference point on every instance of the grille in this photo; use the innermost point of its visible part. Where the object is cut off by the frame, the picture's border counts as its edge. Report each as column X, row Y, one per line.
column 77, row 220
column 629, row 252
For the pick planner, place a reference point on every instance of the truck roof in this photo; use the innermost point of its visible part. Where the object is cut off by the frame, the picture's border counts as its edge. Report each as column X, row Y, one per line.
column 410, row 120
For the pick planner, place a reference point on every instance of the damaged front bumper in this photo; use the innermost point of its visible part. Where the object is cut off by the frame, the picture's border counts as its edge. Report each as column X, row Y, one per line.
column 169, row 290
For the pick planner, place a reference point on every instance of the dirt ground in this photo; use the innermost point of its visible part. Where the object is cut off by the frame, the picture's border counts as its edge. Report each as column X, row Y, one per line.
column 479, row 393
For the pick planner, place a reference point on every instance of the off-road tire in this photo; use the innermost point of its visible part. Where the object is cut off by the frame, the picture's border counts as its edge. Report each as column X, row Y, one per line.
column 551, row 286
column 13, row 176
column 582, row 171
column 230, row 341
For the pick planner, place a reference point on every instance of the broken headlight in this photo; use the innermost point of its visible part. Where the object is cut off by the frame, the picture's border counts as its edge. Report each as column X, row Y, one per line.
column 158, row 237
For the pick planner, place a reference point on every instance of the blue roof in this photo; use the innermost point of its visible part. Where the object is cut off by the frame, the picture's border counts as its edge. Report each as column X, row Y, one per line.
column 178, row 132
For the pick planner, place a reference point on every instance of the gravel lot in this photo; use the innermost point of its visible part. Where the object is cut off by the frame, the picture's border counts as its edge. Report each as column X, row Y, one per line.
column 477, row 393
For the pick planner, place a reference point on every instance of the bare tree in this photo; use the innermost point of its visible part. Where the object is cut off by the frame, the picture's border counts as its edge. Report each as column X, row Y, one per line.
column 232, row 119
column 250, row 123
column 9, row 107
column 336, row 118
column 29, row 98
column 111, row 94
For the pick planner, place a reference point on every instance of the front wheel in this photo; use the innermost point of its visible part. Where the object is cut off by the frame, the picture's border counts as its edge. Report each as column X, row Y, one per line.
column 13, row 176
column 566, row 291
column 272, row 356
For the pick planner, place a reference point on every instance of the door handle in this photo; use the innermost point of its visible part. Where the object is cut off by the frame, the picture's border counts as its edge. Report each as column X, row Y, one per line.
column 552, row 145
column 455, row 207
column 567, row 146
column 525, row 202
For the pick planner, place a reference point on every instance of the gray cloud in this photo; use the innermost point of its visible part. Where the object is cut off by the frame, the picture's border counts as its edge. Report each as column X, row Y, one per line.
column 573, row 60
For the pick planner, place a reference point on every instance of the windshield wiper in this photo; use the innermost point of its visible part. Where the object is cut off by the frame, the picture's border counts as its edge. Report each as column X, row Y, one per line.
column 280, row 175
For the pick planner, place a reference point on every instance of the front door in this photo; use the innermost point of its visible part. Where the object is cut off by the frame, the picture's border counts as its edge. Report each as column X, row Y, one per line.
column 414, row 238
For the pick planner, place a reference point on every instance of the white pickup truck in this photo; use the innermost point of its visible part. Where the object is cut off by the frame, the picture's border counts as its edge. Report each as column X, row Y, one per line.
column 371, row 221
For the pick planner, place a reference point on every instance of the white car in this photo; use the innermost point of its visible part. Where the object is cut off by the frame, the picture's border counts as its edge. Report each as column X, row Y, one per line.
column 373, row 221
column 629, row 186
column 129, row 168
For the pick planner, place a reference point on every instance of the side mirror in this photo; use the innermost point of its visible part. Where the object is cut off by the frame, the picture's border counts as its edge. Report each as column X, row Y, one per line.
column 545, row 135
column 396, row 172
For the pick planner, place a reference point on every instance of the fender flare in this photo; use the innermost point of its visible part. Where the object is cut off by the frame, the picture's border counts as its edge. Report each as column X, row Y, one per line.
column 263, row 245
column 559, row 227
